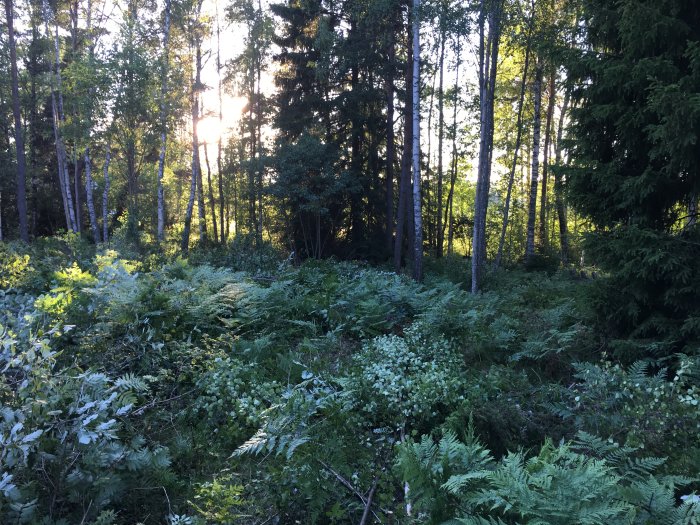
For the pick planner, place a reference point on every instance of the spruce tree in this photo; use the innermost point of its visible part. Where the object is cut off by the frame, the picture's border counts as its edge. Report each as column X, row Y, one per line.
column 637, row 163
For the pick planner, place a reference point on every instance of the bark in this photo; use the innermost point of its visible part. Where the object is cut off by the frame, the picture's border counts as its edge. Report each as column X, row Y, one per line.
column 545, row 164
column 77, row 184
column 356, row 223
column 252, row 192
column 390, row 145
column 537, row 89
column 196, row 164
column 195, row 179
column 518, row 140
column 417, row 215
column 19, row 134
column 441, row 131
column 427, row 196
column 405, row 183
column 212, row 204
column 259, row 119
column 89, row 197
column 558, row 189
column 449, row 219
column 163, row 122
column 57, row 121
column 73, row 13
column 219, row 169
column 488, row 63
column 105, row 197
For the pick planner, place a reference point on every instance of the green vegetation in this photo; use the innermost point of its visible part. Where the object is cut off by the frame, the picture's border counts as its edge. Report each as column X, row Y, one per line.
column 209, row 210
column 161, row 390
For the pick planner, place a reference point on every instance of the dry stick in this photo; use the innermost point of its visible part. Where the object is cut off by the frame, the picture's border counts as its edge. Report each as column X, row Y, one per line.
column 352, row 488
column 368, row 505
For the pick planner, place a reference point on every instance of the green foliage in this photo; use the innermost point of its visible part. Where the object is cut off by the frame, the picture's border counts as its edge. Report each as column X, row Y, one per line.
column 557, row 486
column 191, row 393
column 653, row 411
column 405, row 381
column 635, row 173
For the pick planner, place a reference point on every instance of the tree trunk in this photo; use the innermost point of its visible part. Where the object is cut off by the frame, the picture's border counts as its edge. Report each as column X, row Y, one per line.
column 219, row 167
column 105, row 196
column 19, row 134
column 163, row 122
column 449, row 219
column 537, row 88
column 488, row 63
column 258, row 123
column 518, row 139
column 558, row 190
column 196, row 164
column 212, row 204
column 77, row 185
column 545, row 164
column 57, row 120
column 405, row 181
column 441, row 131
column 195, row 178
column 89, row 197
column 417, row 215
column 390, row 145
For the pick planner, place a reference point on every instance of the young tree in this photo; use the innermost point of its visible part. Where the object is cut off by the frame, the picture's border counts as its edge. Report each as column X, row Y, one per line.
column 534, row 174
column 417, row 215
column 165, row 62
column 490, row 18
column 19, row 132
column 518, row 136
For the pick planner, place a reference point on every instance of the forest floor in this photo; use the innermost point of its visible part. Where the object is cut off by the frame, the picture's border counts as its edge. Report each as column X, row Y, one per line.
column 235, row 387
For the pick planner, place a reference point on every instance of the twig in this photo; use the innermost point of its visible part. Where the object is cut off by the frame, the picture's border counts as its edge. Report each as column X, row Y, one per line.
column 368, row 505
column 367, row 502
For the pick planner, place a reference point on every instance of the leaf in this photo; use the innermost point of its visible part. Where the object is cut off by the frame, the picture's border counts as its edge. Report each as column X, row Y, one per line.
column 33, row 436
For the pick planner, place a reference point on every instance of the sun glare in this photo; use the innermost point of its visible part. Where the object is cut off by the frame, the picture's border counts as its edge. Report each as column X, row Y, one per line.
column 209, row 130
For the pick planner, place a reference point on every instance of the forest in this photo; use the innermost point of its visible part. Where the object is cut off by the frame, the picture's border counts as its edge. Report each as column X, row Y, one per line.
column 350, row 262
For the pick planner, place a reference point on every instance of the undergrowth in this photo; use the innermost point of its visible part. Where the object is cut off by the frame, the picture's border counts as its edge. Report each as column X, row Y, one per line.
column 237, row 387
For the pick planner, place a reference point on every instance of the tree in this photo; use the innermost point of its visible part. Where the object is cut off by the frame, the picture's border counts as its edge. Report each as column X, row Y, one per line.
column 519, row 134
column 490, row 14
column 636, row 164
column 417, row 215
column 19, row 132
column 534, row 173
column 165, row 62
